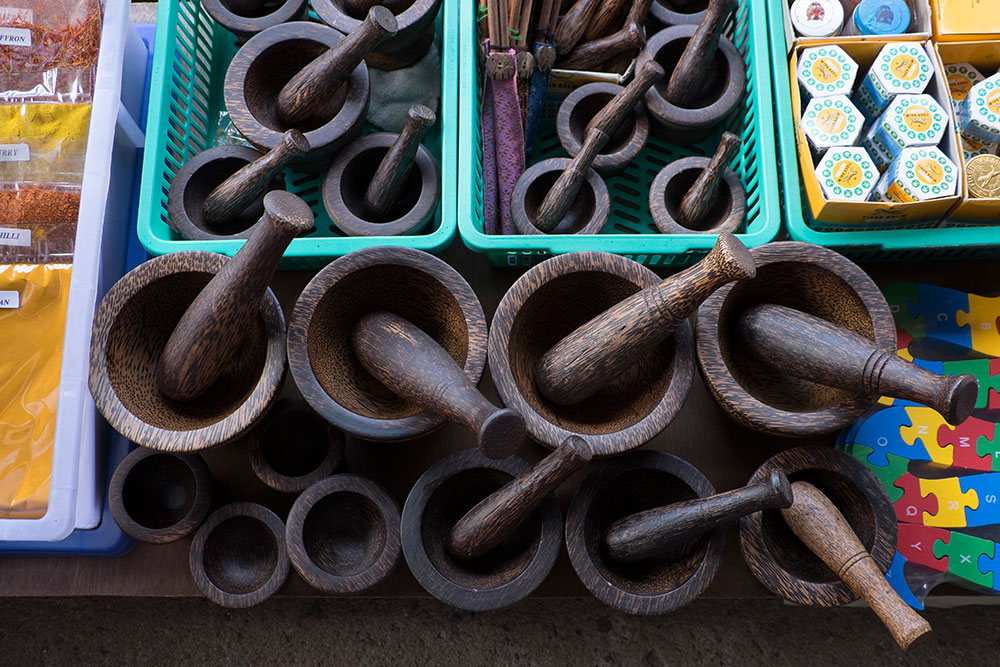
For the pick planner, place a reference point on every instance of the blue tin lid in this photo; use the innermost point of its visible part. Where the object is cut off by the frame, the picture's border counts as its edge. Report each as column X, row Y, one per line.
column 882, row 17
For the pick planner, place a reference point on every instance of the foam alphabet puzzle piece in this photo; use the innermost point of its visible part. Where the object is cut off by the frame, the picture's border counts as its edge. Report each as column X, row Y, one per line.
column 924, row 425
column 964, row 553
column 981, row 318
column 882, row 431
column 888, row 474
column 953, row 499
column 913, row 506
column 896, row 578
column 993, row 385
column 938, row 307
column 986, row 486
column 916, row 543
column 988, row 564
column 900, row 296
column 975, row 444
column 986, row 374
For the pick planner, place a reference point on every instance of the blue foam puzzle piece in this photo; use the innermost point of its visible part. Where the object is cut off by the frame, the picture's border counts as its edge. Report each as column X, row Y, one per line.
column 898, row 582
column 987, row 488
column 880, row 431
column 992, row 564
column 938, row 307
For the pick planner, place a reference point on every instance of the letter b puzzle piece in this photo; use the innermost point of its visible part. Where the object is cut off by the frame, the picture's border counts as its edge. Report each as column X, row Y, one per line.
column 981, row 318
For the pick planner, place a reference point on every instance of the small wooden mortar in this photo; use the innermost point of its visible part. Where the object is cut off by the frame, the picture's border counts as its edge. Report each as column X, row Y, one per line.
column 706, row 77
column 765, row 391
column 159, row 498
column 619, row 488
column 385, row 184
column 678, row 12
column 440, row 498
column 220, row 192
column 238, row 558
column 700, row 195
column 343, row 534
column 263, row 67
column 246, row 18
column 551, row 300
column 414, row 37
column 293, row 447
column 410, row 284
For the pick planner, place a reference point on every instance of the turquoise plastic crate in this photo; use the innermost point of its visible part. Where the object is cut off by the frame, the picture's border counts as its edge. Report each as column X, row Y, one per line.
column 191, row 57
column 630, row 230
column 894, row 244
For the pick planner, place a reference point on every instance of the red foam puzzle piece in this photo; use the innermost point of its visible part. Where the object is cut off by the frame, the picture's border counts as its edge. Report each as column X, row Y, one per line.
column 912, row 506
column 993, row 402
column 963, row 439
column 903, row 339
column 916, row 543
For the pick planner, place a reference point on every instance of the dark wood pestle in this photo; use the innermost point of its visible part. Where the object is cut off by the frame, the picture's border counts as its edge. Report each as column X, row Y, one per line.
column 241, row 189
column 700, row 198
column 589, row 358
column 211, row 328
column 690, row 74
column 560, row 196
column 610, row 14
column 574, row 24
column 666, row 532
column 625, row 41
column 397, row 162
column 311, row 88
column 815, row 349
column 821, row 527
column 414, row 366
column 496, row 517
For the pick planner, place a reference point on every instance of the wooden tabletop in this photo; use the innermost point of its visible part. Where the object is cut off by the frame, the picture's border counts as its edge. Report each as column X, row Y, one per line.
column 701, row 434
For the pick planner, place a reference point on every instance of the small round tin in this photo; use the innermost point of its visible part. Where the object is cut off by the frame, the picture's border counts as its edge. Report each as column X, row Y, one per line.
column 879, row 17
column 847, row 174
column 817, row 18
column 918, row 174
column 831, row 121
column 826, row 70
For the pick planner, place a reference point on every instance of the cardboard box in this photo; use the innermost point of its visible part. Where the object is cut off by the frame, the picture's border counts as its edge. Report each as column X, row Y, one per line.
column 920, row 25
column 984, row 56
column 965, row 20
column 838, row 215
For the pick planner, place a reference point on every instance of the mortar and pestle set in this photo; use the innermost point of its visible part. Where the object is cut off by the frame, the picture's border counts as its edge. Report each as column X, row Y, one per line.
column 586, row 40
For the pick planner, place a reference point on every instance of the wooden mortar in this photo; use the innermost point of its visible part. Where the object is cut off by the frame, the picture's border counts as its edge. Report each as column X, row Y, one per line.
column 700, row 195
column 159, row 498
column 773, row 398
column 678, row 12
column 551, row 300
column 619, row 488
column 246, row 18
column 293, row 447
column 415, row 19
column 343, row 534
column 238, row 557
column 409, row 283
column 504, row 575
column 385, row 184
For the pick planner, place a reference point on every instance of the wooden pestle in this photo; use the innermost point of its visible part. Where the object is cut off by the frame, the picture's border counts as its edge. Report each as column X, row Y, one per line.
column 596, row 51
column 562, row 193
column 233, row 195
column 590, row 357
column 311, row 88
column 496, row 517
column 666, row 531
column 691, row 72
column 822, row 528
column 609, row 14
column 815, row 349
column 397, row 162
column 574, row 23
column 414, row 366
column 700, row 198
column 211, row 328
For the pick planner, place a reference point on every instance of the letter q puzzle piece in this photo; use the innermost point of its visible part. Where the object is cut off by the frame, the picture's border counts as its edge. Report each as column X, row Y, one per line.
column 913, row 506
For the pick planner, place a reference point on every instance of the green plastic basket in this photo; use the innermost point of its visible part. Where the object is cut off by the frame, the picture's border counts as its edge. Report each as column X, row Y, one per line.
column 191, row 56
column 630, row 230
column 868, row 245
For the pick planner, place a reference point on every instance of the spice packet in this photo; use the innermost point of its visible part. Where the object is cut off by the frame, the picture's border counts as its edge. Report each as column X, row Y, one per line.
column 38, row 223
column 43, row 143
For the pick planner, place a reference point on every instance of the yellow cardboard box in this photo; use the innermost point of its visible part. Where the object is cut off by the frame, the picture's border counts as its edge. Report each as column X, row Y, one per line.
column 963, row 20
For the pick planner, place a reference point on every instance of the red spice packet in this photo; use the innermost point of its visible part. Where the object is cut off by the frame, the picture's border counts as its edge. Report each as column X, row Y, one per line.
column 38, row 224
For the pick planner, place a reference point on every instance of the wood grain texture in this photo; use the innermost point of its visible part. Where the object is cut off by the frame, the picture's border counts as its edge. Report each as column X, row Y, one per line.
column 551, row 212
column 230, row 198
column 553, row 299
column 670, row 530
column 805, row 277
column 624, row 144
column 488, row 525
column 621, row 487
column 573, row 24
column 596, row 353
column 259, row 71
column 699, row 199
column 414, row 366
column 293, row 447
column 665, row 13
column 815, row 349
column 719, row 96
column 609, row 16
column 691, row 72
column 821, row 527
column 414, row 35
column 726, row 210
column 780, row 560
column 412, row 284
column 591, row 55
column 350, row 175
column 131, row 327
column 309, row 90
column 197, row 178
column 247, row 24
column 209, row 333
column 343, row 534
column 397, row 162
column 588, row 209
column 239, row 558
column 159, row 498
column 505, row 575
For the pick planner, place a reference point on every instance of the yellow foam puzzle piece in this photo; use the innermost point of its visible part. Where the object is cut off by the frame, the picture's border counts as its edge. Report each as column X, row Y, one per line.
column 925, row 424
column 982, row 321
column 951, row 502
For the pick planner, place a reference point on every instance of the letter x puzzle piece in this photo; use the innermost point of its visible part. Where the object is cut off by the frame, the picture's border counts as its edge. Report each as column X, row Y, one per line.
column 937, row 307
column 981, row 318
column 987, row 371
column 900, row 296
column 975, row 444
column 964, row 553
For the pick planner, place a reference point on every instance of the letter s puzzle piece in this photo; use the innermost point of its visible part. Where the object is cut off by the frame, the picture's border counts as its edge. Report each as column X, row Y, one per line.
column 913, row 507
column 964, row 552
column 972, row 444
column 981, row 318
column 925, row 423
column 952, row 499
column 938, row 307
column 916, row 543
column 986, row 486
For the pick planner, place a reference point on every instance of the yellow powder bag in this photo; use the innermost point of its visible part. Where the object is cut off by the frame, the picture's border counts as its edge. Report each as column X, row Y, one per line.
column 33, row 303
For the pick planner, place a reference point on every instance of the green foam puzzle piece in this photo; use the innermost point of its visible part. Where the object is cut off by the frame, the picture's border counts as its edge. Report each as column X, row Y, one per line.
column 963, row 552
column 886, row 474
column 981, row 369
column 899, row 295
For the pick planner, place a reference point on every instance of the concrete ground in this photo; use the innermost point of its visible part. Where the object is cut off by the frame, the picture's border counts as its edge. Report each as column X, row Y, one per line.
column 165, row 632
